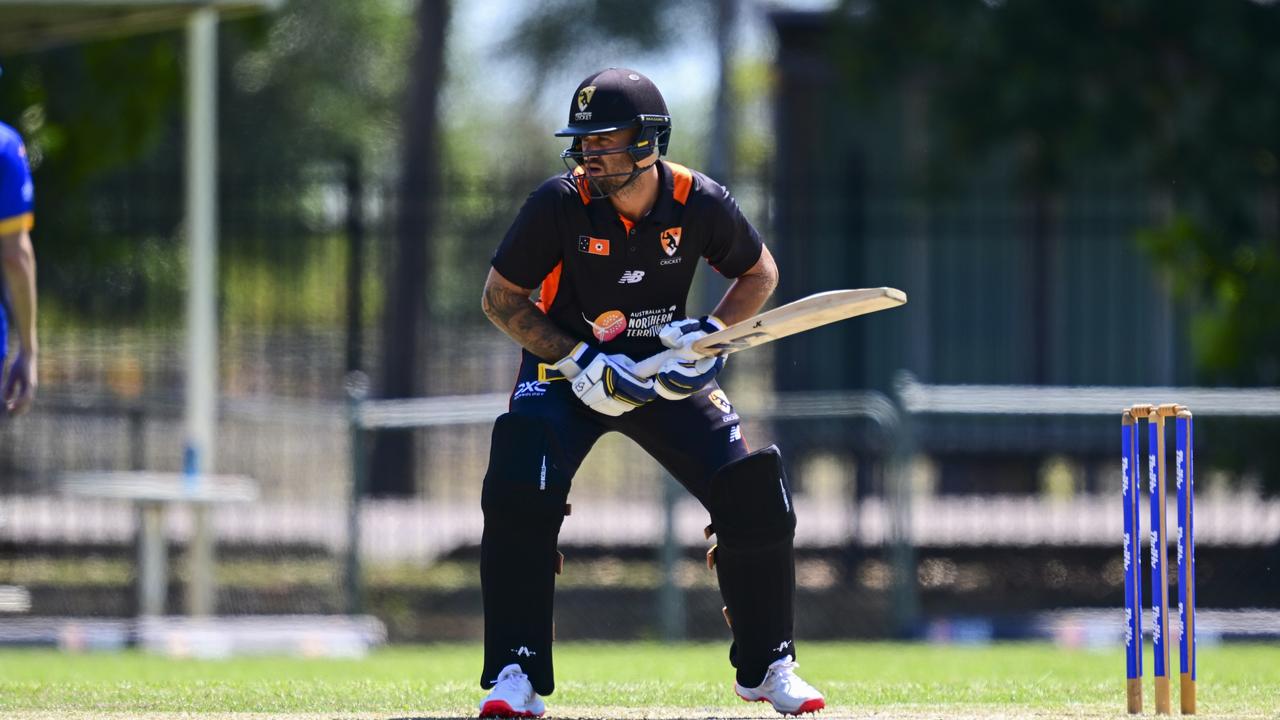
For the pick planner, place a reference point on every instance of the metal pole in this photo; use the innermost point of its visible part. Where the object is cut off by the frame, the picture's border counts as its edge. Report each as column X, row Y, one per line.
column 153, row 561
column 137, row 437
column 670, row 596
column 355, row 263
column 357, row 392
column 904, row 596
column 202, row 272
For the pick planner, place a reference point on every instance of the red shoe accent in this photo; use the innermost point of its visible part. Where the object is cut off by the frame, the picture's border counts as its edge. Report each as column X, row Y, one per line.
column 500, row 709
column 809, row 706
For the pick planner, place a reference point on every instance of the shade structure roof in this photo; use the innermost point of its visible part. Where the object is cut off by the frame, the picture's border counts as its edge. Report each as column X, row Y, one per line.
column 31, row 25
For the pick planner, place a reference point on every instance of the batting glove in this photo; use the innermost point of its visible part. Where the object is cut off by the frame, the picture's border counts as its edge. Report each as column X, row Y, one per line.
column 682, row 334
column 689, row 371
column 678, row 379
column 605, row 383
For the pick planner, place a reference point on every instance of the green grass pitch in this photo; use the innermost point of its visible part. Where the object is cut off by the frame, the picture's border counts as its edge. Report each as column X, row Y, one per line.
column 644, row 680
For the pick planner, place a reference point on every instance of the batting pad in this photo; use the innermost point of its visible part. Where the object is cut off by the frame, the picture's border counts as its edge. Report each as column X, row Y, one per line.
column 755, row 522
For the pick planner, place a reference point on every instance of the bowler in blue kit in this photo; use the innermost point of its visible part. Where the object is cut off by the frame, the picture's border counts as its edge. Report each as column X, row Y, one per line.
column 17, row 275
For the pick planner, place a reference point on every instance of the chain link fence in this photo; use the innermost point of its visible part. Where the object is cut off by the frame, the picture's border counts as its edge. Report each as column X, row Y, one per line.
column 1008, row 520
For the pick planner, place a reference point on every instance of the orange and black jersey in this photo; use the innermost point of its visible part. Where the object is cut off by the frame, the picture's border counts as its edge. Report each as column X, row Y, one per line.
column 613, row 283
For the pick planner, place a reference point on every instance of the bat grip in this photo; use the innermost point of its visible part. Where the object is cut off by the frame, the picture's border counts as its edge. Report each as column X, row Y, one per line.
column 651, row 365
column 646, row 368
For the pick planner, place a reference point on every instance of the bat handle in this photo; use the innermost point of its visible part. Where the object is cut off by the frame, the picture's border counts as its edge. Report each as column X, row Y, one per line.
column 651, row 365
column 644, row 369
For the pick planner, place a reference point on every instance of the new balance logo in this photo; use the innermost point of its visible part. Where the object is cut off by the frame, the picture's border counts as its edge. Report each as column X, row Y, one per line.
column 735, row 433
column 785, row 644
column 524, row 652
column 631, row 276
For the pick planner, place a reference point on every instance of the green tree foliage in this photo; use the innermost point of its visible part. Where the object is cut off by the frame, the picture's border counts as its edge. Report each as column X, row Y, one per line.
column 565, row 33
column 1182, row 90
column 85, row 112
column 315, row 82
column 88, row 109
column 320, row 78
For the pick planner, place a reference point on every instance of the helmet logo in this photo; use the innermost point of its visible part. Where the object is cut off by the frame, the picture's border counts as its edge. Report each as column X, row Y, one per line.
column 585, row 95
column 670, row 239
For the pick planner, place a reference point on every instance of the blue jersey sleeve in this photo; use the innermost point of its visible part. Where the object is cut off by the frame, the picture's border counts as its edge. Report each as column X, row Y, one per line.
column 17, row 194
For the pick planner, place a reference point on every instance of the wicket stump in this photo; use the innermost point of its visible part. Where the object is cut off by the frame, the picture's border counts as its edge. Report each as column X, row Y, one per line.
column 1155, row 416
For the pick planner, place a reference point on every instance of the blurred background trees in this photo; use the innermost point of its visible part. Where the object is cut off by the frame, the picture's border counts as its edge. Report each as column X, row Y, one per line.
column 1171, row 96
column 103, row 124
column 1173, row 90
column 1072, row 193
column 1168, row 96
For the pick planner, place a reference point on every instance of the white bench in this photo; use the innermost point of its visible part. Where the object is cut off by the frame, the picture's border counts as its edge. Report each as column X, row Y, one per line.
column 152, row 493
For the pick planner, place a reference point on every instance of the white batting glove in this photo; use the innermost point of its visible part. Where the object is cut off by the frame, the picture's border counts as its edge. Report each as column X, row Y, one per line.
column 680, row 335
column 689, row 371
column 678, row 379
column 605, row 383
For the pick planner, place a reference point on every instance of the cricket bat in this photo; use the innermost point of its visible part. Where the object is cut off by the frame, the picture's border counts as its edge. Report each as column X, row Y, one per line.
column 795, row 317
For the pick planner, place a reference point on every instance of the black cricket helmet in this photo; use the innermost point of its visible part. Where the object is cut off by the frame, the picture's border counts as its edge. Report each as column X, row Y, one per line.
column 615, row 99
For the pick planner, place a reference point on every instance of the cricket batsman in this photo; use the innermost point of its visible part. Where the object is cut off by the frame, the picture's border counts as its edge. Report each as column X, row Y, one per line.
column 611, row 247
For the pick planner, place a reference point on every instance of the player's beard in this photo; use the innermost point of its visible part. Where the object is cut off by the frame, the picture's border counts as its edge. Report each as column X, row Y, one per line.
column 611, row 184
column 609, row 179
column 615, row 171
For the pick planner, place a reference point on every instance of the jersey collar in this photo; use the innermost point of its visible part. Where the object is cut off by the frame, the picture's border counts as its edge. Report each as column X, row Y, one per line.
column 665, row 213
column 665, row 209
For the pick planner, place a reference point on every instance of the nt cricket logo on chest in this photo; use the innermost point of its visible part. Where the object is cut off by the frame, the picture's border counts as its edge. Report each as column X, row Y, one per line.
column 670, row 240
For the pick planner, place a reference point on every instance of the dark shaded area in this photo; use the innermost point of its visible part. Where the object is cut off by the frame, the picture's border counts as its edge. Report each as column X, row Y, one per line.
column 1071, row 194
column 840, row 594
column 406, row 334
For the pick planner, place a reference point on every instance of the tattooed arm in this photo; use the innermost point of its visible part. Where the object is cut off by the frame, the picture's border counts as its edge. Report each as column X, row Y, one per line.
column 509, row 307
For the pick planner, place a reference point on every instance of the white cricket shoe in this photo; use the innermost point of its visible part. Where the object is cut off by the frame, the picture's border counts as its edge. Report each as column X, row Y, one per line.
column 512, row 697
column 784, row 690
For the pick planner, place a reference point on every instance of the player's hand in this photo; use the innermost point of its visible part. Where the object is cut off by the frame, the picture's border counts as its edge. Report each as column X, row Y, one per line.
column 678, row 379
column 605, row 383
column 682, row 334
column 20, row 384
column 688, row 371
